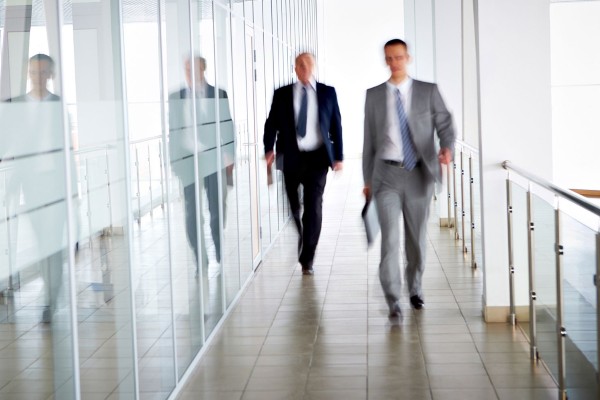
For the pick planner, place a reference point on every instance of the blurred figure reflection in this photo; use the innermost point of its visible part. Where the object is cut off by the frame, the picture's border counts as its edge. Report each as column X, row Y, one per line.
column 32, row 146
column 181, row 148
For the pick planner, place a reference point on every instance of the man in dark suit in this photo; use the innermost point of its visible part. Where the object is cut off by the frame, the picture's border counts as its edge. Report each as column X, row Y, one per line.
column 305, row 119
column 400, row 165
column 181, row 147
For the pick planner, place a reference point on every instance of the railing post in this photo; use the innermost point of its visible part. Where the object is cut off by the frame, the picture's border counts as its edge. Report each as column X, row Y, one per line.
column 162, row 177
column 472, row 210
column 462, row 200
column 450, row 223
column 150, row 180
column 89, row 200
column 139, row 200
column 109, row 205
column 531, row 264
column 9, row 291
column 511, row 268
column 560, row 328
column 456, row 236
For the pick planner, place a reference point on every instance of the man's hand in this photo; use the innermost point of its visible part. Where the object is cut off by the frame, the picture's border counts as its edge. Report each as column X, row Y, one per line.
column 367, row 192
column 338, row 165
column 269, row 157
column 445, row 156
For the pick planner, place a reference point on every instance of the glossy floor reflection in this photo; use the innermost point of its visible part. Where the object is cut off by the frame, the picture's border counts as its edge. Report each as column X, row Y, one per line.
column 327, row 336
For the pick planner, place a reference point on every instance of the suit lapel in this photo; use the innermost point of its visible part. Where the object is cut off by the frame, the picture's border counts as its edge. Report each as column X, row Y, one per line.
column 416, row 97
column 381, row 100
column 321, row 107
column 289, row 101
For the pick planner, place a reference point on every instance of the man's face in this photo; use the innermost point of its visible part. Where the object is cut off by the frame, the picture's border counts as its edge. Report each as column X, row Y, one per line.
column 199, row 72
column 305, row 65
column 397, row 59
column 40, row 72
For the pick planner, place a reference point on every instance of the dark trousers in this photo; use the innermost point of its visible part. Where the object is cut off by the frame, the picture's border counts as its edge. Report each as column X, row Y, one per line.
column 211, row 186
column 311, row 172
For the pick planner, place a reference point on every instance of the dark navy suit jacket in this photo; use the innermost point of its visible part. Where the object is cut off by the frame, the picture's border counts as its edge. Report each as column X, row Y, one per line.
column 281, row 126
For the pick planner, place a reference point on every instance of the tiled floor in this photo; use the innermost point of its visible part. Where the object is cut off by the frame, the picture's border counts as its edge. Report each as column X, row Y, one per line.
column 327, row 336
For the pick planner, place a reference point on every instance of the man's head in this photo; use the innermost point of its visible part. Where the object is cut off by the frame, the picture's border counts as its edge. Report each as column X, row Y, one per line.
column 41, row 70
column 305, row 65
column 199, row 68
column 397, row 58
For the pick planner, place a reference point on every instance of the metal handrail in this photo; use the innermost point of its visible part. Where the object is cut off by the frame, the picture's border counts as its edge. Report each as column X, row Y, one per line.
column 466, row 146
column 569, row 195
column 93, row 149
column 144, row 140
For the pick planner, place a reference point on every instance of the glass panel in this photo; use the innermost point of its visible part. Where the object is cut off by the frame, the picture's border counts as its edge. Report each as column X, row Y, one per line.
column 248, row 11
column 455, row 187
column 545, row 282
column 579, row 294
column 103, row 264
column 268, row 19
column 230, row 257
column 182, row 181
column 462, row 187
column 210, row 101
column 258, row 13
column 150, row 261
column 246, row 152
column 273, row 189
column 477, row 209
column 261, row 116
column 520, row 245
column 36, row 319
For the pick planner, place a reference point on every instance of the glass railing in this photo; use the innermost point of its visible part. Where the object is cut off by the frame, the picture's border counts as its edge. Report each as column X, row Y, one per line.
column 562, row 252
column 464, row 205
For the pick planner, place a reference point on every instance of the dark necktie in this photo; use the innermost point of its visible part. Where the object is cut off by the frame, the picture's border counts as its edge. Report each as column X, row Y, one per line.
column 410, row 155
column 301, row 125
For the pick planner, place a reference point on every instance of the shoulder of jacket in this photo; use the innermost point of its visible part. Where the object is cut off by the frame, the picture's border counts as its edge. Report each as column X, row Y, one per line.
column 423, row 83
column 179, row 94
column 285, row 87
column 381, row 86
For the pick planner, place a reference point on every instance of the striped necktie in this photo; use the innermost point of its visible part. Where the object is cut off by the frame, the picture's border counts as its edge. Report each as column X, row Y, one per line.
column 410, row 155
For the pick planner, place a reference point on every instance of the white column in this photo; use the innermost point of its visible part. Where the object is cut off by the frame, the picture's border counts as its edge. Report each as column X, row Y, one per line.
column 515, row 124
column 433, row 34
column 419, row 20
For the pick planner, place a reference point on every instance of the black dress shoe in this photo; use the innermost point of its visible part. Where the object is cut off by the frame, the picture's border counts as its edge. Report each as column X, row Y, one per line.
column 417, row 302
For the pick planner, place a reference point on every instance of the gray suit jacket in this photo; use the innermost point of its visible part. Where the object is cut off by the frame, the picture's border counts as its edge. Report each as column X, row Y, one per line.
column 428, row 115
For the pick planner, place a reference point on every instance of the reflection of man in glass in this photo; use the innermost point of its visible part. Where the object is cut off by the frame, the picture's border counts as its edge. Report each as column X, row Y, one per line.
column 181, row 147
column 33, row 145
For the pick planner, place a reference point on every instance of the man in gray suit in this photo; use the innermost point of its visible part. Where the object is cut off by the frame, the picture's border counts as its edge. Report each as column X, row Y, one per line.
column 401, row 163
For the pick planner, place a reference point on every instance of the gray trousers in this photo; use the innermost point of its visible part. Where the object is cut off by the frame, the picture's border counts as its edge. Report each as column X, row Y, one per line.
column 408, row 193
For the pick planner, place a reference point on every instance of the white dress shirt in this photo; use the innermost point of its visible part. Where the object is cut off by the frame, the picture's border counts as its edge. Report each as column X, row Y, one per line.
column 313, row 139
column 393, row 146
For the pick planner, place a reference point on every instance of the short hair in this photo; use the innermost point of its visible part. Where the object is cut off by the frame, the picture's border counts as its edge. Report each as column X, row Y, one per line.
column 198, row 59
column 43, row 57
column 201, row 60
column 395, row 42
column 305, row 54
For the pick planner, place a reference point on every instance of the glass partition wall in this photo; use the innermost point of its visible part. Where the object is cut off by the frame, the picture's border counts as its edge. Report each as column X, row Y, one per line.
column 134, row 199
